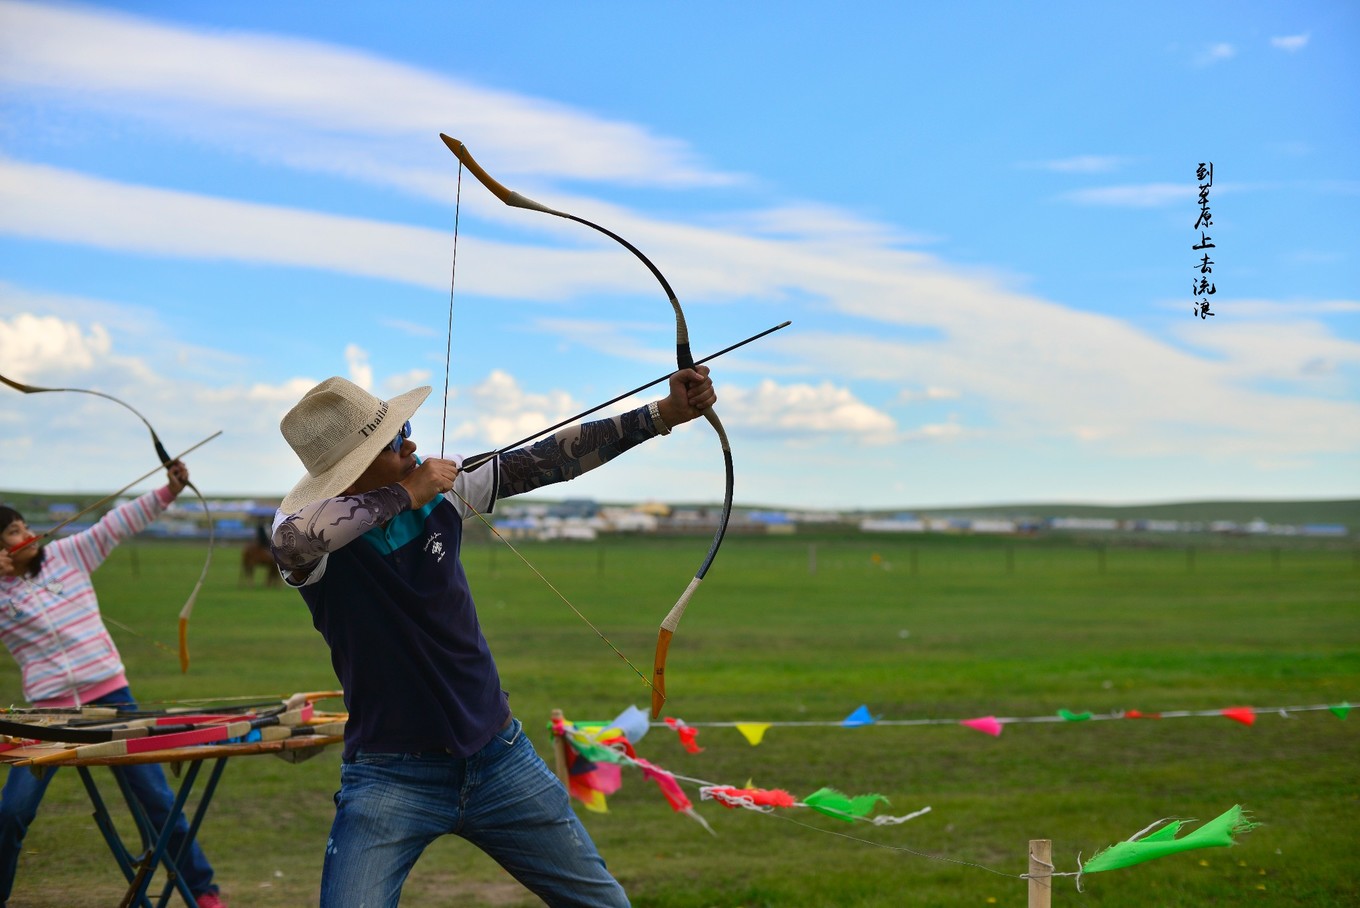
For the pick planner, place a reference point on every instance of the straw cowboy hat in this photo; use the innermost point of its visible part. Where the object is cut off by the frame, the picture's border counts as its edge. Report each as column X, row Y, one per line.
column 336, row 430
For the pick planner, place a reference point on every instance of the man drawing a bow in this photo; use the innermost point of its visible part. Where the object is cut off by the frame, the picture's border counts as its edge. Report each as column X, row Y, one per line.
column 371, row 538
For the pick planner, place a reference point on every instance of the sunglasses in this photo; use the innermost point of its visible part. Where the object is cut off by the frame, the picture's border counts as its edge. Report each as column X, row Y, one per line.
column 404, row 434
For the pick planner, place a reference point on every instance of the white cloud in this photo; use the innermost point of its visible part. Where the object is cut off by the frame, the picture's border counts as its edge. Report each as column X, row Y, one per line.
column 32, row 345
column 801, row 411
column 414, row 329
column 1144, row 195
column 1103, row 379
column 910, row 395
column 402, row 382
column 360, row 370
column 1290, row 43
column 1215, row 53
column 614, row 338
column 68, row 428
column 319, row 107
column 1086, row 163
column 502, row 411
column 1046, row 372
column 1029, row 370
column 806, row 220
column 942, row 431
column 48, row 203
column 1298, row 351
column 1259, row 309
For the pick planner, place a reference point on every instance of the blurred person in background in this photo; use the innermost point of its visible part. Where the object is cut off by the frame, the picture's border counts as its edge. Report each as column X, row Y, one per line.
column 51, row 625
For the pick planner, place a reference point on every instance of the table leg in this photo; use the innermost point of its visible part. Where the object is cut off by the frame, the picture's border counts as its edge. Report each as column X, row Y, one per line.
column 104, row 821
column 202, row 810
column 155, row 842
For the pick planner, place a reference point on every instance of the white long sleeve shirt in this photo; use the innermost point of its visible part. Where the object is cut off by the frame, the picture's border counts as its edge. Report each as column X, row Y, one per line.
column 51, row 623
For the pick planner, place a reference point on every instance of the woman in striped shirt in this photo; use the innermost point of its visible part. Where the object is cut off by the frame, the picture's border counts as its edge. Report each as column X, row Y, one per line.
column 50, row 622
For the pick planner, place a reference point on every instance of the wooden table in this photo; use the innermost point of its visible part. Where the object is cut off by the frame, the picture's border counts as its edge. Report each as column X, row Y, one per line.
column 140, row 868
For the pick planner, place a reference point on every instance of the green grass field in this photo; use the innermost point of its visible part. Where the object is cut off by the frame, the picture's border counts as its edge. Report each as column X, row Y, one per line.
column 932, row 627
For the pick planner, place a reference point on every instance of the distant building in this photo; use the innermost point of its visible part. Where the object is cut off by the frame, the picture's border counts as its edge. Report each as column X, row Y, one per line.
column 776, row 523
column 1086, row 524
column 574, row 507
column 893, row 525
column 628, row 520
column 993, row 525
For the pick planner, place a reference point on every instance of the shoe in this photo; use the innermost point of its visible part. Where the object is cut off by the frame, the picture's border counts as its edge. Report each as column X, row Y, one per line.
column 210, row 900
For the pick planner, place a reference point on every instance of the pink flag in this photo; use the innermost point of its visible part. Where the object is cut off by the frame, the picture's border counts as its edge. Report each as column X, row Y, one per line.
column 986, row 724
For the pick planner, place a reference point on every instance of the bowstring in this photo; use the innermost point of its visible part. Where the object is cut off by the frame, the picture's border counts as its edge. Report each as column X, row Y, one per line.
column 560, row 595
column 448, row 354
column 152, row 640
column 453, row 281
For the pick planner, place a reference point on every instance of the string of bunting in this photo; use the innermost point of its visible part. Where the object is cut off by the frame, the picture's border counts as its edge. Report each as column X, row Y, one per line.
column 594, row 752
column 754, row 732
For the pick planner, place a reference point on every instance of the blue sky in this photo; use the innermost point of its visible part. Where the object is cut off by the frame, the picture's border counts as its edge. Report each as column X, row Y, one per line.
column 979, row 218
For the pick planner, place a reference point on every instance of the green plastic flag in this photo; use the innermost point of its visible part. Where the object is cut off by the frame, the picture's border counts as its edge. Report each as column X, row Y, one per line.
column 1070, row 716
column 596, row 753
column 1340, row 710
column 834, row 804
column 1218, row 832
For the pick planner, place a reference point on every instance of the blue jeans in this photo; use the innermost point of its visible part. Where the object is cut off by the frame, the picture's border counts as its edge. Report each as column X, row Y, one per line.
column 24, row 791
column 504, row 799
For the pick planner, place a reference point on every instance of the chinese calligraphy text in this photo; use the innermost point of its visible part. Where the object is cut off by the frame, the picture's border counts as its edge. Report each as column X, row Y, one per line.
column 1202, row 287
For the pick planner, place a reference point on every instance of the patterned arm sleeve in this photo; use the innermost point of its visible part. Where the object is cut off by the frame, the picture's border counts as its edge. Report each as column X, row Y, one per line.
column 572, row 451
column 300, row 540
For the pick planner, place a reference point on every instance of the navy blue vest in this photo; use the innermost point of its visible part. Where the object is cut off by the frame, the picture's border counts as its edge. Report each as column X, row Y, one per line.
column 395, row 608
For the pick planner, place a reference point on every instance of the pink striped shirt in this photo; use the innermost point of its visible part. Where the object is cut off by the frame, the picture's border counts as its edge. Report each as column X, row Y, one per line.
column 51, row 623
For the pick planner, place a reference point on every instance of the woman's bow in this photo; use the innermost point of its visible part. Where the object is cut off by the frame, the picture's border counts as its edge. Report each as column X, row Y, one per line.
column 165, row 460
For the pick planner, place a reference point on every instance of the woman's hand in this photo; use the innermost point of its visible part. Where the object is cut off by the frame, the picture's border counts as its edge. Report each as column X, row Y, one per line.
column 178, row 474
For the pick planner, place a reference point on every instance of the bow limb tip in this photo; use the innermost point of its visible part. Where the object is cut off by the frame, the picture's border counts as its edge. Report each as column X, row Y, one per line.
column 508, row 196
column 183, row 645
column 19, row 386
column 663, row 641
column 184, row 614
column 663, row 645
column 461, row 152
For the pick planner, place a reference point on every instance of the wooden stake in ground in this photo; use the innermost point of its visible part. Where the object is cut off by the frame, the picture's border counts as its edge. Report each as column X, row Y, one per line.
column 560, row 754
column 1040, row 873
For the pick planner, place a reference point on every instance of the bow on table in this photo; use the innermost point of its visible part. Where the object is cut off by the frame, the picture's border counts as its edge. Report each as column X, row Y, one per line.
column 165, row 460
column 684, row 359
column 41, row 737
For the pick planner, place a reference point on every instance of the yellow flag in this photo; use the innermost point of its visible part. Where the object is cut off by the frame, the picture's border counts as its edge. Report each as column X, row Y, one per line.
column 753, row 731
column 595, row 802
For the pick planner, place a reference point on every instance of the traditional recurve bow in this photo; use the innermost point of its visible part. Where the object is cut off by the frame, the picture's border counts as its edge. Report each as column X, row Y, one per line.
column 166, row 460
column 683, row 359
